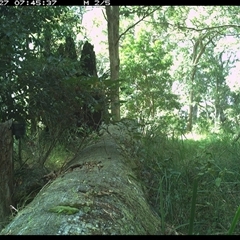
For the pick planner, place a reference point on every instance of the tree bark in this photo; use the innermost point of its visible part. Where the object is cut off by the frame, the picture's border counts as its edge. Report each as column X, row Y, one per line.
column 191, row 99
column 6, row 171
column 96, row 193
column 113, row 42
column 198, row 50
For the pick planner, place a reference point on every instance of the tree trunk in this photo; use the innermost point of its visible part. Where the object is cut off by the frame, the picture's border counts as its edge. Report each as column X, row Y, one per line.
column 6, row 172
column 191, row 99
column 190, row 112
column 198, row 50
column 97, row 193
column 113, row 42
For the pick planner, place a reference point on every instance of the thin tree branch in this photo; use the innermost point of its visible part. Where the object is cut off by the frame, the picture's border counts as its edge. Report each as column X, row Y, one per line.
column 203, row 47
column 104, row 15
column 209, row 28
column 148, row 14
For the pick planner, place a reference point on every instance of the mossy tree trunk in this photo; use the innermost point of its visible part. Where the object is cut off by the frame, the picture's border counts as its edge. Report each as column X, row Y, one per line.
column 6, row 170
column 97, row 193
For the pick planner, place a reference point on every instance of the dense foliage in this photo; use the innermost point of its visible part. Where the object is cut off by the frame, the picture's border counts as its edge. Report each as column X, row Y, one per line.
column 178, row 74
column 174, row 65
column 43, row 76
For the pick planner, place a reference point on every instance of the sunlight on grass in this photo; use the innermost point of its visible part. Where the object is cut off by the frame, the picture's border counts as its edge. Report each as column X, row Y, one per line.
column 195, row 136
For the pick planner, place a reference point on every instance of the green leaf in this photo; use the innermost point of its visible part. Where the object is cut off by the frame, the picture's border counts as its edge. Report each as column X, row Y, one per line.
column 218, row 181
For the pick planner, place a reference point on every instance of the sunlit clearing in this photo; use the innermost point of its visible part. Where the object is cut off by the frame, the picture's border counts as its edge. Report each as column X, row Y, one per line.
column 232, row 79
column 194, row 136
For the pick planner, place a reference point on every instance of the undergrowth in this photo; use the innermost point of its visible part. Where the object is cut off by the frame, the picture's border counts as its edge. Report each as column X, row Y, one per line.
column 171, row 167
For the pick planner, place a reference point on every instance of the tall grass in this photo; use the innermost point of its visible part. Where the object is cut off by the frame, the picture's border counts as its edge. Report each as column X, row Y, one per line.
column 170, row 167
column 235, row 221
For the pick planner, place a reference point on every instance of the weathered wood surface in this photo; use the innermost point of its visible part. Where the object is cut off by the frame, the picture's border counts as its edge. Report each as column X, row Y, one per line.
column 98, row 193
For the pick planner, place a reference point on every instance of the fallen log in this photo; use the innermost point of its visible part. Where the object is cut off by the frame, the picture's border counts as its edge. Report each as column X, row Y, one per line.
column 97, row 193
